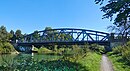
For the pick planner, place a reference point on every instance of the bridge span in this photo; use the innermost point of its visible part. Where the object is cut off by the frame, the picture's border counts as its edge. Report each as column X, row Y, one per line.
column 64, row 36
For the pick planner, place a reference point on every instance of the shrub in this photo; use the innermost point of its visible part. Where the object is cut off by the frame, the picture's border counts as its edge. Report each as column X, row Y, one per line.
column 126, row 51
column 9, row 47
column 97, row 48
column 76, row 48
column 6, row 47
column 117, row 50
column 123, row 51
column 55, row 47
column 35, row 49
column 44, row 50
column 68, row 51
column 1, row 47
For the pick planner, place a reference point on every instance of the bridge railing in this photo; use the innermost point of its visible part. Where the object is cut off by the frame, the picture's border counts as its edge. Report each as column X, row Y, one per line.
column 116, row 37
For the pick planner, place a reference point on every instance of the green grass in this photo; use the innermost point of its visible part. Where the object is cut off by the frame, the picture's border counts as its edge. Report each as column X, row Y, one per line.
column 118, row 62
column 44, row 50
column 91, row 61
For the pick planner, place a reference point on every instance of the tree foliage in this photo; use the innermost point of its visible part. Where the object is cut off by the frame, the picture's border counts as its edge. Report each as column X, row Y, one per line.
column 120, row 11
column 4, row 35
column 18, row 34
column 5, row 38
column 13, row 37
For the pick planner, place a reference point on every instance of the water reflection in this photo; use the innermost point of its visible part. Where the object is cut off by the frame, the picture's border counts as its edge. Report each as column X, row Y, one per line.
column 11, row 58
column 35, row 62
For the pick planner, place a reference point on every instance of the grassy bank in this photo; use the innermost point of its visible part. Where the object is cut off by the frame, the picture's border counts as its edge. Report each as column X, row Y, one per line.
column 119, row 64
column 120, row 57
column 89, row 56
column 76, row 58
column 91, row 61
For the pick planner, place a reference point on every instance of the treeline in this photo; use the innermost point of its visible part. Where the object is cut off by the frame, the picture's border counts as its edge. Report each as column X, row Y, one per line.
column 6, row 38
column 70, row 49
column 11, row 36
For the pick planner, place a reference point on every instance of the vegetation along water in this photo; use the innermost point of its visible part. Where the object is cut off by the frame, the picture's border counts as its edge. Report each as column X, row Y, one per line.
column 59, row 57
column 71, row 57
column 48, row 58
column 75, row 58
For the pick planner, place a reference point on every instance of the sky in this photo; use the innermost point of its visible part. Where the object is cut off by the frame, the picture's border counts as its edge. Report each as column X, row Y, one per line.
column 31, row 15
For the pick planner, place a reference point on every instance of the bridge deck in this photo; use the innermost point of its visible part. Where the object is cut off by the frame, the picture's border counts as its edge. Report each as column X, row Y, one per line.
column 64, row 43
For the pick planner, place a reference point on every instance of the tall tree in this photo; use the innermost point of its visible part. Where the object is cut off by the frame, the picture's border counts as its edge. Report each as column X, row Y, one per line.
column 120, row 11
column 48, row 33
column 12, row 32
column 18, row 34
column 36, row 35
column 13, row 37
column 3, row 34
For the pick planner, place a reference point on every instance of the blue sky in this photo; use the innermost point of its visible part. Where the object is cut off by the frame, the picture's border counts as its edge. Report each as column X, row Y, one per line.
column 31, row 15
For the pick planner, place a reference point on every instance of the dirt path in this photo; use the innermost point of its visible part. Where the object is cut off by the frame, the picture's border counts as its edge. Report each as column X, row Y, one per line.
column 106, row 64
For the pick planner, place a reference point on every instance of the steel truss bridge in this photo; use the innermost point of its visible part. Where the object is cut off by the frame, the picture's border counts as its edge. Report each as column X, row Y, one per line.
column 65, row 36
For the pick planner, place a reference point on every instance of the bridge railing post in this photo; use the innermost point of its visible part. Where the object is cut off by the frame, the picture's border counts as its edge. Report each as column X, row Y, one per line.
column 96, row 37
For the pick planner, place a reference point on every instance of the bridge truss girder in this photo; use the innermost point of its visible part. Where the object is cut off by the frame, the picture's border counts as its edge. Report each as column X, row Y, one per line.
column 66, row 35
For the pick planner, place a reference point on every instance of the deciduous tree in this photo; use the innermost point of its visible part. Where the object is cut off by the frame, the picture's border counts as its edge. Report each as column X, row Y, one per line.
column 120, row 11
column 18, row 34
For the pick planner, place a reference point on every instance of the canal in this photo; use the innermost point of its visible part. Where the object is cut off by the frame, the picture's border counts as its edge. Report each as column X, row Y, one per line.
column 35, row 62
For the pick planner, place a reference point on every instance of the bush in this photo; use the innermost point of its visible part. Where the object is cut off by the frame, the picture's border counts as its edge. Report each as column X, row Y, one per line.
column 68, row 51
column 76, row 48
column 117, row 50
column 97, row 48
column 6, row 47
column 123, row 51
column 126, row 52
column 44, row 50
column 1, row 47
column 9, row 47
column 35, row 49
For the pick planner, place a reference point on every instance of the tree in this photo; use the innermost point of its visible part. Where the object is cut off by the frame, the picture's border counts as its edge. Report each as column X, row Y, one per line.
column 13, row 37
column 18, row 34
column 120, row 9
column 4, row 36
column 49, row 33
column 36, row 35
column 5, row 46
column 12, row 32
column 48, row 30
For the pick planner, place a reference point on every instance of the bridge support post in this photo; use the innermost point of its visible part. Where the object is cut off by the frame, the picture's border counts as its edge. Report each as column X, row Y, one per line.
column 32, row 47
column 111, row 37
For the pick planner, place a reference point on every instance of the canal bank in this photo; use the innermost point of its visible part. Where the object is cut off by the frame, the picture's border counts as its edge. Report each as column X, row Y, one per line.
column 89, row 61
